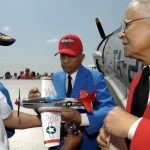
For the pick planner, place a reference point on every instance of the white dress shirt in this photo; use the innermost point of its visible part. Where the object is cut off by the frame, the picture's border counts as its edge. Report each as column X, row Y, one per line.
column 84, row 117
column 5, row 112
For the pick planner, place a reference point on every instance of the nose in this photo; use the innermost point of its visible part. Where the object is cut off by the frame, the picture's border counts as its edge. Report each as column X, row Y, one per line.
column 121, row 35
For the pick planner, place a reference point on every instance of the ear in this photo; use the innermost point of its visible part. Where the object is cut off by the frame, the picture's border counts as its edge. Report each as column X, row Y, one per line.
column 82, row 57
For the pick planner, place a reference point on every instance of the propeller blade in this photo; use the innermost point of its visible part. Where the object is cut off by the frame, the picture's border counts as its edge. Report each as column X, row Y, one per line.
column 100, row 28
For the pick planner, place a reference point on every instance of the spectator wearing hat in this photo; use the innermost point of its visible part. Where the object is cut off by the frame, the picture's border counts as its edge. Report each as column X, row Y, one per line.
column 71, row 57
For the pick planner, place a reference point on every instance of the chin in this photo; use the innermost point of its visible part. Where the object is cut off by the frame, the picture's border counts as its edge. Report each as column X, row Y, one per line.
column 68, row 71
column 126, row 54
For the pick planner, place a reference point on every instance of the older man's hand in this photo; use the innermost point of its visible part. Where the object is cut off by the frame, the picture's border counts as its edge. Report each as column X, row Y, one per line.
column 103, row 139
column 118, row 122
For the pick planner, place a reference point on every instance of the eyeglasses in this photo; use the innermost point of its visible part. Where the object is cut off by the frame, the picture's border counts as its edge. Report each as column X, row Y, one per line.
column 125, row 24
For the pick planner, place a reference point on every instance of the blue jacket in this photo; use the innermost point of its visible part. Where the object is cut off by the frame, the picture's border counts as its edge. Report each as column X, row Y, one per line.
column 10, row 132
column 88, row 80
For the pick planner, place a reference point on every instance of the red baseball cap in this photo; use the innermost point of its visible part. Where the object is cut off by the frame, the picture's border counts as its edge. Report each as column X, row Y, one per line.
column 70, row 44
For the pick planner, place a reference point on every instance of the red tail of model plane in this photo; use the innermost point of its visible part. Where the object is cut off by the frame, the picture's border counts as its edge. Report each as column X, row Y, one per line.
column 86, row 99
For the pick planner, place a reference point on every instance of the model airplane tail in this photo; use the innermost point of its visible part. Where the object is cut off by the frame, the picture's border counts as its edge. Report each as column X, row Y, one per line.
column 47, row 87
column 87, row 99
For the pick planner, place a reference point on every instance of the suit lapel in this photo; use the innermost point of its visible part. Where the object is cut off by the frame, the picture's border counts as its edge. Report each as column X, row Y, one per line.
column 131, row 91
column 63, row 88
column 147, row 112
column 60, row 84
column 130, row 96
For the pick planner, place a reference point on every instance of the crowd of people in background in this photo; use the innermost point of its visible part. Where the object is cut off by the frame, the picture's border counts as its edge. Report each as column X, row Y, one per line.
column 26, row 74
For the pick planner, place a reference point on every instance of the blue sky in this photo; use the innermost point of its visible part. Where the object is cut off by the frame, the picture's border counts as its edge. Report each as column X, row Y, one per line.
column 37, row 26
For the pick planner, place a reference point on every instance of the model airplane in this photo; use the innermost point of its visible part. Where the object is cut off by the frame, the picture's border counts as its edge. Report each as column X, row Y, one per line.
column 85, row 100
column 50, row 106
column 119, row 70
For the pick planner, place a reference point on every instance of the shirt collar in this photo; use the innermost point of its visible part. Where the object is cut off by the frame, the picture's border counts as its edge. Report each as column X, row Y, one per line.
column 73, row 75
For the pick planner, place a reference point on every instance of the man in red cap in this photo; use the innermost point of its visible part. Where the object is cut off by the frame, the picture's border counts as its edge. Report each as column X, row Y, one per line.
column 74, row 78
column 71, row 57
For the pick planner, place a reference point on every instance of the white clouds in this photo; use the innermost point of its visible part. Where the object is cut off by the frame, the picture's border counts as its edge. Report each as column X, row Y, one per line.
column 6, row 28
column 53, row 41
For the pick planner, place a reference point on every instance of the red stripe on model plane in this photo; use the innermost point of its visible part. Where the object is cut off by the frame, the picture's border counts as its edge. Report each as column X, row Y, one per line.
column 52, row 141
column 50, row 111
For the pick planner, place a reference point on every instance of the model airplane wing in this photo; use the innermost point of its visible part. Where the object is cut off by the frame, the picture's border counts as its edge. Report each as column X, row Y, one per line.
column 51, row 122
column 53, row 100
column 85, row 100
